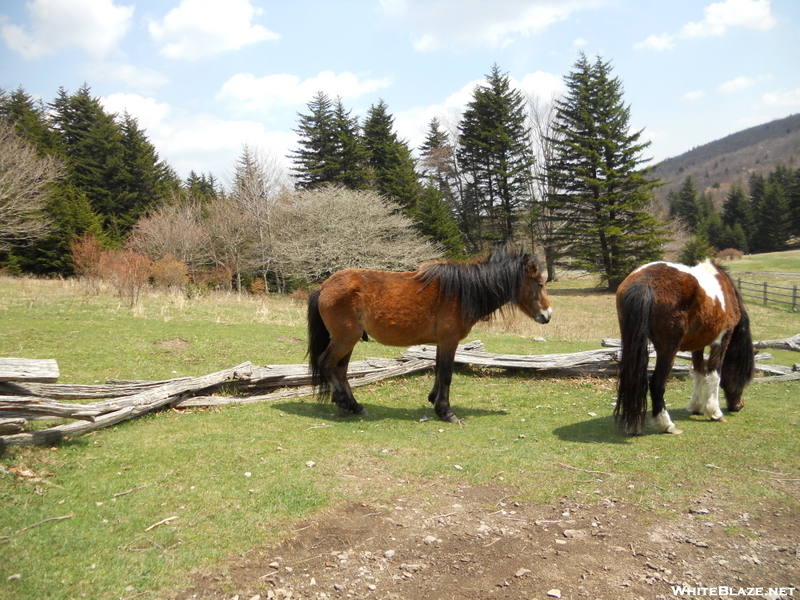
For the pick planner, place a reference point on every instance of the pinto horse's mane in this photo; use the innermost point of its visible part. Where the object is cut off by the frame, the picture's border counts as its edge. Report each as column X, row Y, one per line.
column 482, row 286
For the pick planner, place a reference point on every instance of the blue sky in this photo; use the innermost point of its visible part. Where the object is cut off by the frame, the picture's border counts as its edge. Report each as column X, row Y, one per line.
column 204, row 77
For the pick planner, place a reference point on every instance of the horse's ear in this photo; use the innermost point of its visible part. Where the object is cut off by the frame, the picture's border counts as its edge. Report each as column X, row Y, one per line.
column 530, row 263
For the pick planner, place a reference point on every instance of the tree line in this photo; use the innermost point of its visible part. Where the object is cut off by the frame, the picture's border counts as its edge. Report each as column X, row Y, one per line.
column 565, row 177
column 762, row 217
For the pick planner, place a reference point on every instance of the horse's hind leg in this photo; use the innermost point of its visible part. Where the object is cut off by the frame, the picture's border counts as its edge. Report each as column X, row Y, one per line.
column 658, row 385
column 334, row 362
column 346, row 401
column 440, row 394
column 712, row 378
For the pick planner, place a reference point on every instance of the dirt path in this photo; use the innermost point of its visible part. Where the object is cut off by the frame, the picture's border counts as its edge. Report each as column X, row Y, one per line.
column 476, row 543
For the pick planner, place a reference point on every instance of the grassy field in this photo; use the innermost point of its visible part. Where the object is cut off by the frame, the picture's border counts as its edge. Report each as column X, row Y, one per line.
column 232, row 479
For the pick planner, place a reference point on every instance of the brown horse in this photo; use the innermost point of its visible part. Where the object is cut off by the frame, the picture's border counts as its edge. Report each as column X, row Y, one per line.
column 438, row 304
column 681, row 308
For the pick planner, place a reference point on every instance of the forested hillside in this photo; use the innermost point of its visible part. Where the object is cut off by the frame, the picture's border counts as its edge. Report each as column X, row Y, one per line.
column 718, row 166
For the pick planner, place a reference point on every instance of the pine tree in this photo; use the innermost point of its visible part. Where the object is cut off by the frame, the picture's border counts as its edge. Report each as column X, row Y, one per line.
column 599, row 188
column 495, row 157
column 30, row 120
column 331, row 149
column 390, row 160
column 772, row 221
column 737, row 216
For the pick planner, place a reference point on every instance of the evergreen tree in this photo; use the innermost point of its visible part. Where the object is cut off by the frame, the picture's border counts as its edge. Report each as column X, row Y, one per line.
column 435, row 221
column 599, row 189
column 496, row 161
column 317, row 144
column 331, row 149
column 30, row 120
column 390, row 160
column 772, row 220
column 112, row 163
column 202, row 187
column 737, row 211
column 72, row 217
column 351, row 156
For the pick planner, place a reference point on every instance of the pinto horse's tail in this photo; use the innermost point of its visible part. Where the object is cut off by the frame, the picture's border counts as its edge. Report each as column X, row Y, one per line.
column 318, row 340
column 738, row 365
column 635, row 308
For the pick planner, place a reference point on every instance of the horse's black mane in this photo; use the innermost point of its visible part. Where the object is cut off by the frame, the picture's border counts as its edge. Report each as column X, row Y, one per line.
column 482, row 287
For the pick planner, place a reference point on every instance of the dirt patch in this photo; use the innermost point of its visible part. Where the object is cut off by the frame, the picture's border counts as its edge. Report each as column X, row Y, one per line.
column 476, row 542
column 173, row 344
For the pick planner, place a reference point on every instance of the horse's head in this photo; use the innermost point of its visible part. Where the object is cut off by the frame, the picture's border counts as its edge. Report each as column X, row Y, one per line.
column 533, row 300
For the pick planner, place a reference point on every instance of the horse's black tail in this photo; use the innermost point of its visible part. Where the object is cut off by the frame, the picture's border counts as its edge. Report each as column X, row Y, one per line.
column 635, row 310
column 738, row 365
column 318, row 340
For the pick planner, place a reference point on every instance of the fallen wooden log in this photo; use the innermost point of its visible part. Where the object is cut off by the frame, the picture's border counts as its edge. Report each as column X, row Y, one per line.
column 127, row 408
column 28, row 369
column 10, row 426
column 791, row 343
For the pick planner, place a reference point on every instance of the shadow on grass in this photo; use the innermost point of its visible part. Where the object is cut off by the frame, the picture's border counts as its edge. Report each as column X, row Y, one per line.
column 599, row 430
column 327, row 411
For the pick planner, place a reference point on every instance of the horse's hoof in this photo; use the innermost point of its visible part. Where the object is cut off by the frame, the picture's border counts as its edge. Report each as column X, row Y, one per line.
column 361, row 413
column 674, row 430
column 720, row 420
column 344, row 411
column 451, row 418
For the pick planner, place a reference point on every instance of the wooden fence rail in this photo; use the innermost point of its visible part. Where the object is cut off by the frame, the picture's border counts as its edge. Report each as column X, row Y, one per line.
column 767, row 293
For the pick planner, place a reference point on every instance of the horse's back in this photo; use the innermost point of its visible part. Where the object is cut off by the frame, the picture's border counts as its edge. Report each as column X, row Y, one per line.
column 691, row 304
column 394, row 308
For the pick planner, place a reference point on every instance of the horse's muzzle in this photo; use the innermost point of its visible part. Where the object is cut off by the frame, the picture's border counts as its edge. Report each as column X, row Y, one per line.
column 544, row 316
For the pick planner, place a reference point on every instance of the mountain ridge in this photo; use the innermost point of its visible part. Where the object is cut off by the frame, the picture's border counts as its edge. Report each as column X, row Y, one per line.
column 719, row 165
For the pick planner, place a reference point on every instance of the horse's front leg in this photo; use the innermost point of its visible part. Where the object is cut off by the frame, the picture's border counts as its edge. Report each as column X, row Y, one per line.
column 698, row 402
column 658, row 385
column 440, row 394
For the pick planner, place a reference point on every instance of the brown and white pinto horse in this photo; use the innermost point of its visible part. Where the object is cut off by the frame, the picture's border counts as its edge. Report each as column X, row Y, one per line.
column 681, row 308
column 438, row 304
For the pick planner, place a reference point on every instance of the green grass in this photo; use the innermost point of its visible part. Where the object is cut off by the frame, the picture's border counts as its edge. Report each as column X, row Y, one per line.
column 519, row 431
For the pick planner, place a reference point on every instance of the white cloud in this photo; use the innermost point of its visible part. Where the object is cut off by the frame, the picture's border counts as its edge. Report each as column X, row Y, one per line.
column 246, row 93
column 543, row 85
column 201, row 28
column 789, row 98
column 437, row 24
column 719, row 17
column 95, row 26
column 740, row 83
column 136, row 77
column 696, row 95
column 664, row 41
column 717, row 20
column 198, row 142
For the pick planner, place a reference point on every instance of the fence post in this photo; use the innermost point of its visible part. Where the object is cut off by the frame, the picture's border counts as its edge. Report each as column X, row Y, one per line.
column 794, row 299
column 765, row 293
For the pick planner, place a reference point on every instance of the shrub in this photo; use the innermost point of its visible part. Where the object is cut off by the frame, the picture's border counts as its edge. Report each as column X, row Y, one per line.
column 169, row 272
column 730, row 254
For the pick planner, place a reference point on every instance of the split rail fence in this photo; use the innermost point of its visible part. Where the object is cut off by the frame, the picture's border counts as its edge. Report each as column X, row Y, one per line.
column 766, row 293
column 28, row 388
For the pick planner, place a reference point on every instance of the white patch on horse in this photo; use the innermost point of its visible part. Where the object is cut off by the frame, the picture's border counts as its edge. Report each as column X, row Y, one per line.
column 705, row 273
column 712, row 396
column 697, row 403
column 663, row 423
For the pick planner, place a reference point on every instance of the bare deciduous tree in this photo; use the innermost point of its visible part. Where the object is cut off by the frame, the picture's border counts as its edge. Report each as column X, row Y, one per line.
column 543, row 224
column 177, row 229
column 25, row 180
column 323, row 231
column 258, row 180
